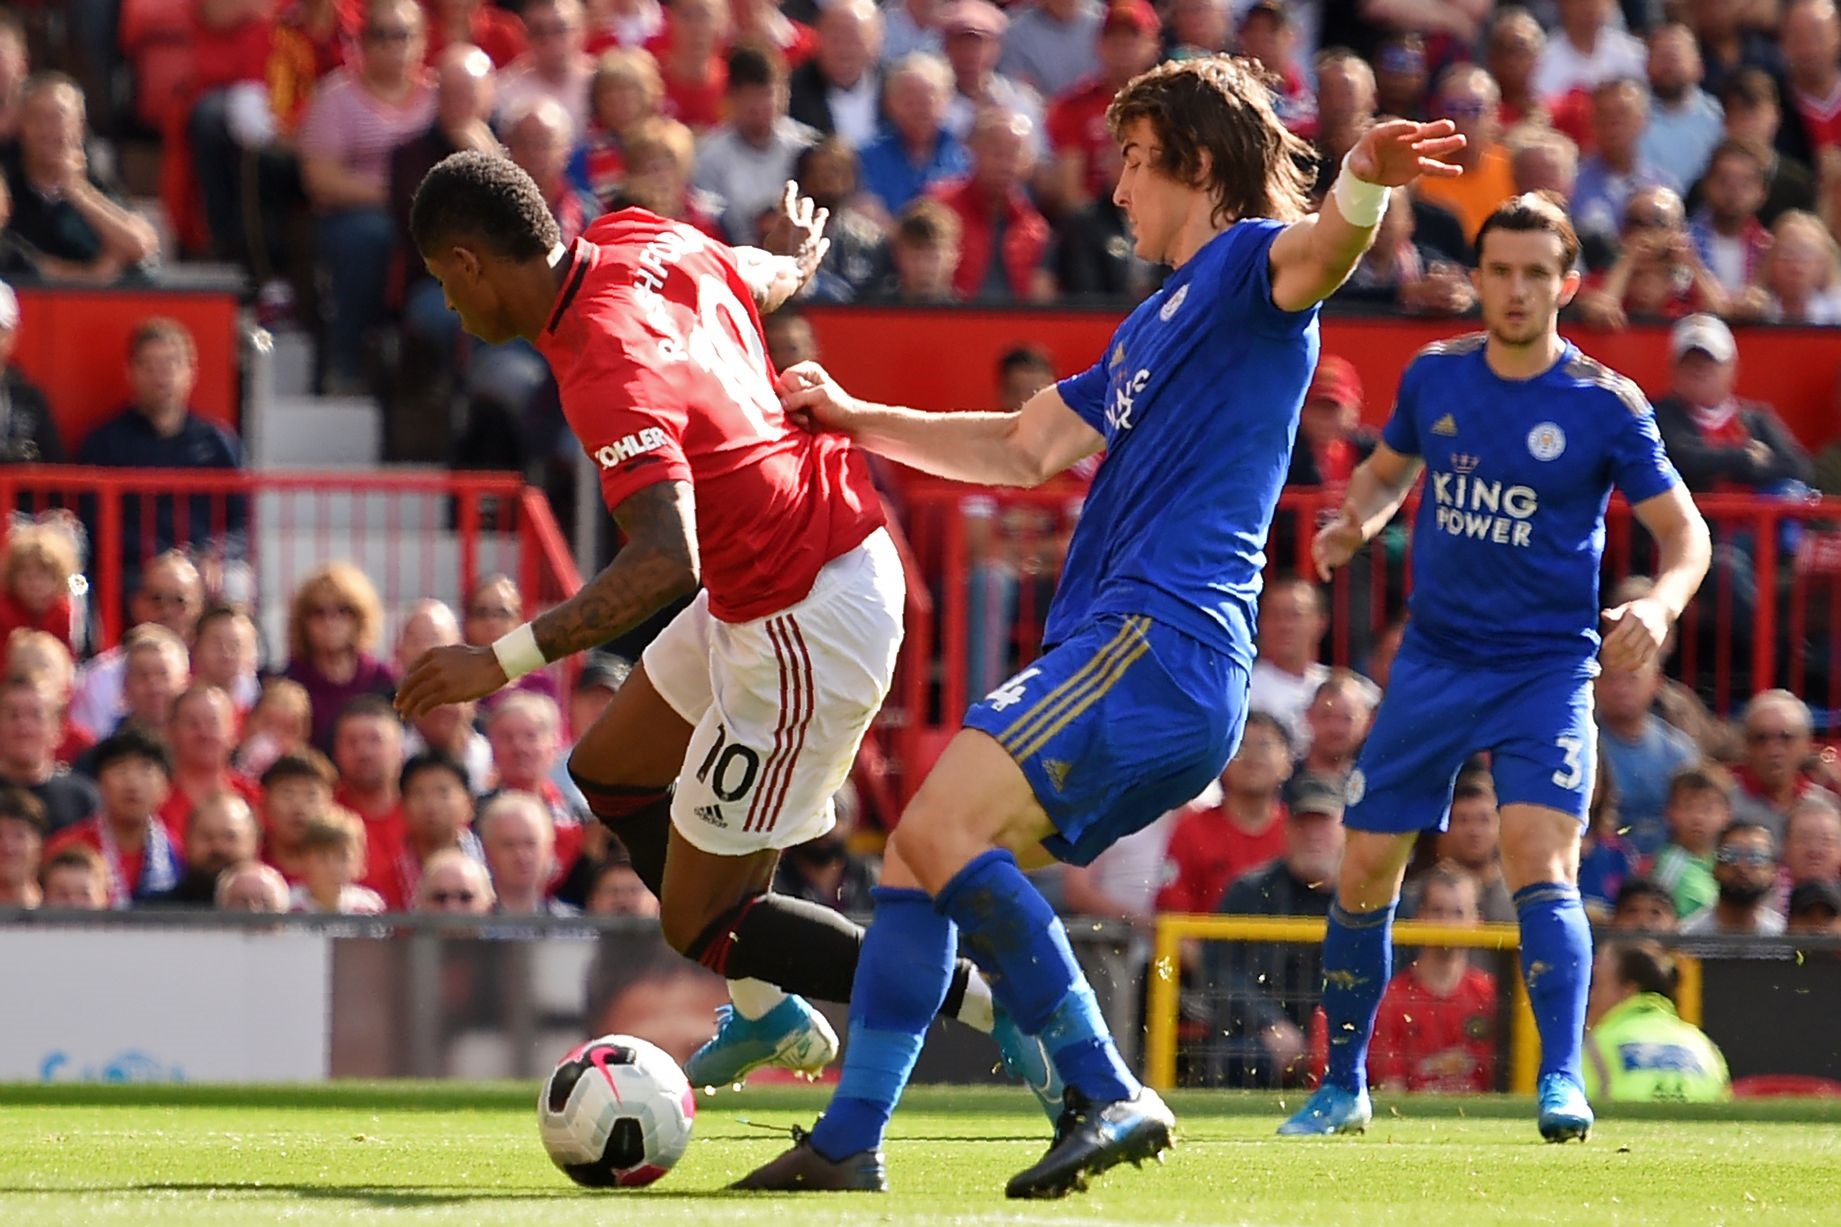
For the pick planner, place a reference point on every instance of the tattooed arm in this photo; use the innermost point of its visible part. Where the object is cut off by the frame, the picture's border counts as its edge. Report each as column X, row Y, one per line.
column 657, row 565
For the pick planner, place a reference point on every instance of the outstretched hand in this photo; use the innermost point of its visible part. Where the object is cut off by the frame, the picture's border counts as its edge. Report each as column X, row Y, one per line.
column 1397, row 152
column 798, row 231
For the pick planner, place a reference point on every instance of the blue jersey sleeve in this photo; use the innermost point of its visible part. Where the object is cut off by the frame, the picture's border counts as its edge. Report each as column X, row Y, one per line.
column 1250, row 273
column 1639, row 464
column 1085, row 394
column 1402, row 430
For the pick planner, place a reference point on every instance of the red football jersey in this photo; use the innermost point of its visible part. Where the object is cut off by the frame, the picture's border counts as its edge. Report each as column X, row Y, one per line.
column 1427, row 1043
column 1207, row 852
column 663, row 370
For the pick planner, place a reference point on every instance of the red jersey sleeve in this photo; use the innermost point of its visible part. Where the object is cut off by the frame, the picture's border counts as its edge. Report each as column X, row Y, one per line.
column 629, row 417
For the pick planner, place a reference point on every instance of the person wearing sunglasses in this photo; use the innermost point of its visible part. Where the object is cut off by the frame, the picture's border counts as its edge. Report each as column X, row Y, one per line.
column 1774, row 774
column 1745, row 868
column 454, row 883
column 1469, row 98
column 333, row 626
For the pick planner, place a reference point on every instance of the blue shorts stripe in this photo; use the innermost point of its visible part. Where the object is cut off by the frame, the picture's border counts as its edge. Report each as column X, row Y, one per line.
column 1081, row 702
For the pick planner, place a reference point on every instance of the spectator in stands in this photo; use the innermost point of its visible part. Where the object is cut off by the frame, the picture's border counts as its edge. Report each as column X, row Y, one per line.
column 1618, row 170
column 1644, row 907
column 1543, row 160
column 202, row 733
column 1005, row 244
column 1269, row 987
column 1636, row 1048
column 1512, row 52
column 1269, row 35
column 1587, row 51
column 170, row 593
column 1801, row 276
column 1811, row 843
column 1472, row 841
column 1745, row 869
column 827, row 172
column 789, row 336
column 1717, row 441
column 333, row 625
column 160, row 430
column 222, row 833
column 747, row 160
column 1081, row 142
column 296, row 790
column 691, row 64
column 155, row 670
column 1658, row 272
column 1287, row 673
column 1643, row 751
column 22, row 847
column 493, row 609
column 624, row 24
column 525, row 733
column 1685, row 122
column 1809, row 37
column 617, row 891
column 1468, row 96
column 1345, row 109
column 65, row 214
column 923, row 252
column 455, row 884
column 74, row 879
column 1677, row 703
column 910, row 27
column 140, row 855
column 357, row 116
column 437, row 816
column 1212, row 843
column 29, row 433
column 1815, row 907
column 1730, row 44
column 1606, row 859
column 1337, row 720
column 367, row 749
column 224, row 654
column 495, row 30
column 251, row 887
column 974, row 32
column 1049, row 45
column 1199, row 28
column 44, row 661
column 1399, row 271
column 281, row 722
column 626, row 88
column 1754, row 117
column 825, row 870
column 37, row 563
column 1437, row 1024
column 28, row 741
column 1401, row 79
column 538, row 138
column 1095, row 255
column 555, row 67
column 518, row 846
column 332, row 862
column 14, row 66
column 1732, row 242
column 1699, row 807
column 1772, row 776
column 917, row 152
column 838, row 91
column 661, row 155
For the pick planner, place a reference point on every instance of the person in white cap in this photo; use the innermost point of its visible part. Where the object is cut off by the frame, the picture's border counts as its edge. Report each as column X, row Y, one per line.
column 1717, row 441
column 28, row 432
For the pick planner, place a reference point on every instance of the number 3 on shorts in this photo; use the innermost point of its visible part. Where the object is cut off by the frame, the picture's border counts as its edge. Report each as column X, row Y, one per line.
column 1572, row 774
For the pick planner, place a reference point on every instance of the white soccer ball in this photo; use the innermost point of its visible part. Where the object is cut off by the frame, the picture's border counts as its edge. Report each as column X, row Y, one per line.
column 616, row 1112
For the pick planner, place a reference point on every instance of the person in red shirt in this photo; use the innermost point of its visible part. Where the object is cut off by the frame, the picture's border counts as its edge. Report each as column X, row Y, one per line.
column 1658, row 273
column 202, row 732
column 1076, row 123
column 1331, row 438
column 525, row 731
column 140, row 854
column 367, row 749
column 43, row 660
column 1215, row 842
column 35, row 582
column 1004, row 243
column 1437, row 1025
column 654, row 334
column 1810, row 37
column 487, row 26
column 692, row 64
column 1778, row 744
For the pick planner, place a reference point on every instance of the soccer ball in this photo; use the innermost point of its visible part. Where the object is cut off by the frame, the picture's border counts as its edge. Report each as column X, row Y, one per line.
column 616, row 1112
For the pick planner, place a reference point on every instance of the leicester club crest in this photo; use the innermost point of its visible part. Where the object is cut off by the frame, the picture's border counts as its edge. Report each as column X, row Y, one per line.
column 1546, row 441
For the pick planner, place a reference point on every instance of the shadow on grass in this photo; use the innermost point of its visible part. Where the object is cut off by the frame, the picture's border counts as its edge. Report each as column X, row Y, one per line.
column 380, row 1197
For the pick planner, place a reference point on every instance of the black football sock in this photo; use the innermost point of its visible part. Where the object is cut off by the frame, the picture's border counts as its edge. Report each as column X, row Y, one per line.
column 640, row 819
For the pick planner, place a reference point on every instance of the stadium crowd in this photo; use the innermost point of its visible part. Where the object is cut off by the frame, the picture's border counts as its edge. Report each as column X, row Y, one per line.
column 963, row 153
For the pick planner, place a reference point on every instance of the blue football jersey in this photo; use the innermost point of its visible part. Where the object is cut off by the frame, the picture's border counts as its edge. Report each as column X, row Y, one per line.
column 1510, row 531
column 1198, row 396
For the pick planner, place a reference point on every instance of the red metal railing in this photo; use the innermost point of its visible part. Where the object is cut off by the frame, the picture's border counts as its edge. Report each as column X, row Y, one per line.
column 415, row 535
column 1768, row 615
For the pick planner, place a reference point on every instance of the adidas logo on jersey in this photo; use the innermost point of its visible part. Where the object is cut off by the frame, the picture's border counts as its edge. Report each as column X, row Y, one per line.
column 1446, row 425
column 622, row 450
column 1057, row 772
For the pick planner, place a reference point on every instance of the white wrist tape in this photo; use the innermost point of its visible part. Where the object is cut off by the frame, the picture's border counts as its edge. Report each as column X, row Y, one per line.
column 1360, row 202
column 518, row 653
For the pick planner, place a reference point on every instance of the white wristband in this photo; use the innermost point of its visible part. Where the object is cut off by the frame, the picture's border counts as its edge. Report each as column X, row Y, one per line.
column 518, row 652
column 1360, row 202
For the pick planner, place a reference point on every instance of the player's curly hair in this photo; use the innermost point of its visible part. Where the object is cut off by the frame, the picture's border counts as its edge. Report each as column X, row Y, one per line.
column 485, row 199
column 1221, row 104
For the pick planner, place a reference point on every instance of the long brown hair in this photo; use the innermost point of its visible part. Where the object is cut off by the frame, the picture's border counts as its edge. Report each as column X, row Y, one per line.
column 1221, row 105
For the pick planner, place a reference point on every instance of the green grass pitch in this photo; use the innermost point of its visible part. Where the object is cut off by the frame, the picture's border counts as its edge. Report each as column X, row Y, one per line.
column 433, row 1153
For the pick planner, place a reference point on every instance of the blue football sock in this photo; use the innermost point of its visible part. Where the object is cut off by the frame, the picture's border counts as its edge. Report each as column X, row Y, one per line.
column 1556, row 963
column 902, row 977
column 1358, row 957
column 1015, row 937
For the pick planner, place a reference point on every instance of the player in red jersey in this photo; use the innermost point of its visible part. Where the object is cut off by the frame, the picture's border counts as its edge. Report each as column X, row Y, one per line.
column 753, row 701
